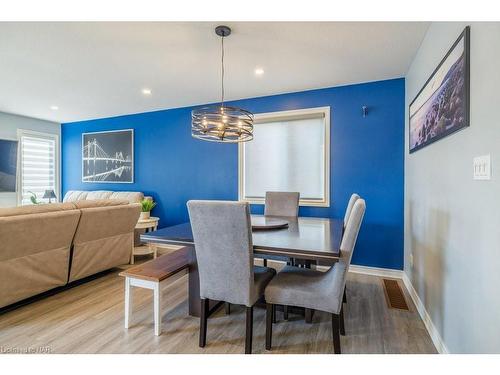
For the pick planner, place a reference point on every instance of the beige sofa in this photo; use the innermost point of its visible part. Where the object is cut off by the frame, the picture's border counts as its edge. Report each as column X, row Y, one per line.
column 131, row 196
column 46, row 246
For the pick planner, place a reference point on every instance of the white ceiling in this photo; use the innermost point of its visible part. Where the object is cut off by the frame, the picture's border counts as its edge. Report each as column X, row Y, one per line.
column 95, row 70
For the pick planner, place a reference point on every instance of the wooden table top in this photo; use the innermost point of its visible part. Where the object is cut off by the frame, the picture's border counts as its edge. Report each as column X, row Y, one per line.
column 305, row 238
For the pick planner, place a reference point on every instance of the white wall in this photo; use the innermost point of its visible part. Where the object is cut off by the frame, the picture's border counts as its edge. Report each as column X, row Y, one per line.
column 8, row 130
column 452, row 223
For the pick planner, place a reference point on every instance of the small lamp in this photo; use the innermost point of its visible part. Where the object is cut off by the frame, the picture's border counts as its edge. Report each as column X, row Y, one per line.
column 49, row 194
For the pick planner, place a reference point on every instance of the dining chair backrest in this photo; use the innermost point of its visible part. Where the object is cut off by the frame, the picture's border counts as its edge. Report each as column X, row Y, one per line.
column 222, row 236
column 351, row 231
column 350, row 205
column 337, row 274
column 280, row 203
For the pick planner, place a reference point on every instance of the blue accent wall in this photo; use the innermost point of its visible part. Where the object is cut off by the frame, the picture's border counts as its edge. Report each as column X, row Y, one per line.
column 367, row 157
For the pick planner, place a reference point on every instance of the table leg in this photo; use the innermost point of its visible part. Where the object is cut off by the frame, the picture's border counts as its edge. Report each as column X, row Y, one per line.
column 128, row 302
column 157, row 308
column 132, row 251
column 194, row 286
column 153, row 248
column 309, row 315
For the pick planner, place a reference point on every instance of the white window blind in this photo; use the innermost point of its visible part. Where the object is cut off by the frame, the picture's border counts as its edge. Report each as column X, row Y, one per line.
column 289, row 152
column 39, row 165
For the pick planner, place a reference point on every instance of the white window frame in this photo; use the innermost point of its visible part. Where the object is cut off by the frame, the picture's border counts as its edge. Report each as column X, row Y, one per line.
column 298, row 114
column 32, row 133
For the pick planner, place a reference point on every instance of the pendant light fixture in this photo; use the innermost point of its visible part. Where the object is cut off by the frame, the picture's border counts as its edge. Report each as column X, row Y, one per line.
column 220, row 123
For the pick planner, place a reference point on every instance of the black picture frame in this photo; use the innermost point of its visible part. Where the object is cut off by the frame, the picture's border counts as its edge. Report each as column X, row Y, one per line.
column 465, row 103
column 108, row 157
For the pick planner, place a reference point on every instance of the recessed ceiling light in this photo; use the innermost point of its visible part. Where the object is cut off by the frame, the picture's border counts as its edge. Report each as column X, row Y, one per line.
column 54, row 107
column 259, row 71
column 146, row 91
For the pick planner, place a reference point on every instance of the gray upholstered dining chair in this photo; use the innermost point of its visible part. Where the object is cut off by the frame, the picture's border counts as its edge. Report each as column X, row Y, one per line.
column 317, row 290
column 350, row 205
column 282, row 203
column 222, row 234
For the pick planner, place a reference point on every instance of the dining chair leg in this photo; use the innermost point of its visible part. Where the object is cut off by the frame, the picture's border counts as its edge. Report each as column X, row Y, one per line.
column 336, row 333
column 203, row 322
column 285, row 312
column 342, row 323
column 344, row 299
column 265, row 262
column 227, row 307
column 270, row 308
column 249, row 331
column 308, row 315
column 274, row 313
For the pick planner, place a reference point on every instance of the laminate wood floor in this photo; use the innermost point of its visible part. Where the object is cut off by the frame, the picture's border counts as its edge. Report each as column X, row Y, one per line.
column 88, row 318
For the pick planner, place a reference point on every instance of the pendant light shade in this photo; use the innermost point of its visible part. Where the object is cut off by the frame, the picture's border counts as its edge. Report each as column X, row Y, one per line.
column 220, row 123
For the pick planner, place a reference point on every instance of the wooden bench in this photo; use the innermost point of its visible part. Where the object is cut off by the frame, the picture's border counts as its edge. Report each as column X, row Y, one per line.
column 152, row 275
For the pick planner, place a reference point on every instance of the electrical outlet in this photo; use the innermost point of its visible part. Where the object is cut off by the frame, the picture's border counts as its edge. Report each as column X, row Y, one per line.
column 482, row 167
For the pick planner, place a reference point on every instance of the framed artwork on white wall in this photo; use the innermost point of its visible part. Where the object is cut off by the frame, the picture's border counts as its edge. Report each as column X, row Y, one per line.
column 442, row 106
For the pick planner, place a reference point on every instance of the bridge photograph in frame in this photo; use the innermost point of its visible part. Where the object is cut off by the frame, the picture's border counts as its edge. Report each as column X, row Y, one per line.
column 108, row 156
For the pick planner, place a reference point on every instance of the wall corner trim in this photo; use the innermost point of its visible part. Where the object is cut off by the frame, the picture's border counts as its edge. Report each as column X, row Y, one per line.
column 424, row 315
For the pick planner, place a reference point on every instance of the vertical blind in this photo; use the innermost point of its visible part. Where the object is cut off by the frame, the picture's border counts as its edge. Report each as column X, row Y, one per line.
column 38, row 166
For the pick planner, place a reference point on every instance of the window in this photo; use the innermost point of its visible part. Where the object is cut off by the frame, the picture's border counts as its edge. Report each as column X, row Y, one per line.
column 290, row 152
column 39, row 165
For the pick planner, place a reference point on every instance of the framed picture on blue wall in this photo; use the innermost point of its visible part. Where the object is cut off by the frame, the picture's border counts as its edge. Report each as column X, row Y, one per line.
column 442, row 106
column 108, row 156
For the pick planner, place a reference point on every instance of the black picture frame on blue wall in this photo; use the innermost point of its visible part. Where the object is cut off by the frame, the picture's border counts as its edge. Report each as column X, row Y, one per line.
column 442, row 106
column 108, row 156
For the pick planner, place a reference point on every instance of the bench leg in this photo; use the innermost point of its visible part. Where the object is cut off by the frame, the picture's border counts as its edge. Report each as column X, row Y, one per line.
column 157, row 308
column 128, row 302
column 132, row 252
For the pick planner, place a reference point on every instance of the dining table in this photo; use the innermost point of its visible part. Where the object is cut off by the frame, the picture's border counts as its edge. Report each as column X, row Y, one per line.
column 312, row 239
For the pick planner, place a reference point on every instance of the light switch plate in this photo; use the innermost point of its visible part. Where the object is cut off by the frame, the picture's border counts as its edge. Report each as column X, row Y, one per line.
column 482, row 167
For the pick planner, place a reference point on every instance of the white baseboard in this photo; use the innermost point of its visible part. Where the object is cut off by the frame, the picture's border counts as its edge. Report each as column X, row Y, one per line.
column 424, row 315
column 426, row 318
column 374, row 271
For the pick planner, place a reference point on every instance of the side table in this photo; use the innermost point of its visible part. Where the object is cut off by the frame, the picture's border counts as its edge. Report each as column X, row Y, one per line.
column 149, row 225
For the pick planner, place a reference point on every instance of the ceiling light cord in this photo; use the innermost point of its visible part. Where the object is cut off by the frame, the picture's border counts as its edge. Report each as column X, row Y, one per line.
column 222, row 64
column 218, row 123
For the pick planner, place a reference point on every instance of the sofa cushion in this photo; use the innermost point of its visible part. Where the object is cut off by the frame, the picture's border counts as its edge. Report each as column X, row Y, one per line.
column 75, row 195
column 100, row 203
column 35, row 209
column 103, row 239
column 78, row 195
column 99, row 194
column 131, row 196
column 34, row 249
